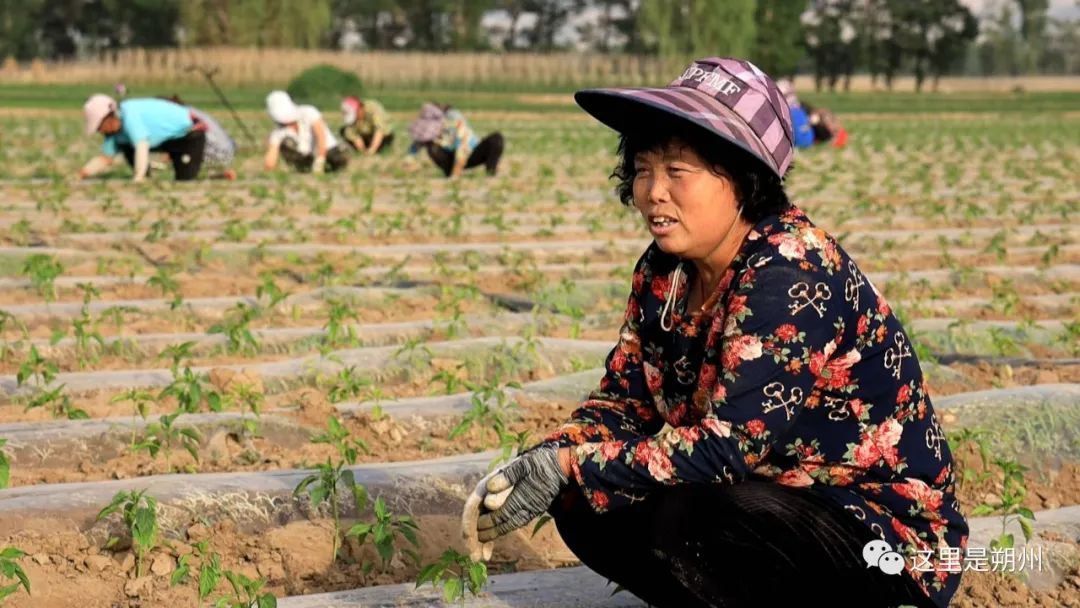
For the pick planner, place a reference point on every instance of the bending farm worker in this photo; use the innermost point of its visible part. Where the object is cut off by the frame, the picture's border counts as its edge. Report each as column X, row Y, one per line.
column 451, row 143
column 763, row 433
column 138, row 126
column 800, row 122
column 220, row 150
column 367, row 126
column 301, row 137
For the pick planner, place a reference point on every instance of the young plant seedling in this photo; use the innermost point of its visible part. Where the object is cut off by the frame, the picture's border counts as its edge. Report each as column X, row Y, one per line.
column 1008, row 503
column 269, row 291
column 236, row 329
column 140, row 404
column 338, row 333
column 248, row 400
column 974, row 437
column 9, row 321
column 36, row 367
column 84, row 329
column 190, row 390
column 208, row 569
column 456, row 574
column 243, row 591
column 246, row 593
column 348, row 383
column 42, row 271
column 139, row 515
column 327, row 484
column 5, row 466
column 382, row 531
column 490, row 404
column 57, row 402
column 10, row 569
column 177, row 354
column 338, row 436
column 163, row 435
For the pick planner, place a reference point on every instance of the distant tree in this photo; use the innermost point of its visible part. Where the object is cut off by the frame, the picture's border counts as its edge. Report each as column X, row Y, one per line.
column 465, row 23
column 1062, row 47
column 831, row 38
column 1001, row 47
column 1033, row 22
column 932, row 33
column 948, row 40
column 615, row 25
column 551, row 16
column 263, row 23
column 778, row 47
column 18, row 21
column 699, row 27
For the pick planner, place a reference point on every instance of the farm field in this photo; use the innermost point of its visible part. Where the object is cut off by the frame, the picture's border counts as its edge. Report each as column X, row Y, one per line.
column 215, row 343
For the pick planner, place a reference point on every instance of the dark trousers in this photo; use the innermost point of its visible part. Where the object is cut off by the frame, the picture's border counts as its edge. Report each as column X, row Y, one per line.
column 487, row 153
column 336, row 158
column 388, row 140
column 755, row 543
column 186, row 154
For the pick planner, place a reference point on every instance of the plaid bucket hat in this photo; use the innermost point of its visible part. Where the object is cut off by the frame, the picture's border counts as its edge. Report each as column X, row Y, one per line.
column 428, row 125
column 731, row 98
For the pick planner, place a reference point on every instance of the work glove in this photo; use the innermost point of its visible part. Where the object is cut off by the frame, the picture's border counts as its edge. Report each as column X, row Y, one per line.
column 520, row 491
column 319, row 165
column 478, row 501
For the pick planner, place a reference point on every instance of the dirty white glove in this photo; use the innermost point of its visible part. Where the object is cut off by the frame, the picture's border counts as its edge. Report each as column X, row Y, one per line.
column 520, row 491
column 319, row 165
column 479, row 500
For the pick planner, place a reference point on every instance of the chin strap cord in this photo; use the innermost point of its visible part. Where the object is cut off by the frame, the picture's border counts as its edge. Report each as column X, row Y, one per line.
column 669, row 303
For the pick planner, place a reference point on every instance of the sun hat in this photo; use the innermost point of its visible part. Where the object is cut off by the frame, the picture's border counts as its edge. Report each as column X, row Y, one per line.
column 350, row 107
column 96, row 108
column 428, row 125
column 731, row 98
column 281, row 108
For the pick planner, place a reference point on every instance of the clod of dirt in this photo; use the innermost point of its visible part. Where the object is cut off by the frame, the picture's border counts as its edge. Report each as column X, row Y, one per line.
column 314, row 408
column 98, row 563
column 449, row 365
column 221, row 446
column 139, row 587
column 388, row 429
column 304, row 548
column 163, row 564
column 198, row 532
column 229, row 380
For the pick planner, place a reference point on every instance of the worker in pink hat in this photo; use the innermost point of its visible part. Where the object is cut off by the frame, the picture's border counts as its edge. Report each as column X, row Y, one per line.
column 138, row 126
column 367, row 127
column 763, row 434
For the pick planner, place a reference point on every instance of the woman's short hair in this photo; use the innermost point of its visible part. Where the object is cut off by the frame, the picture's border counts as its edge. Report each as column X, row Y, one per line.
column 757, row 188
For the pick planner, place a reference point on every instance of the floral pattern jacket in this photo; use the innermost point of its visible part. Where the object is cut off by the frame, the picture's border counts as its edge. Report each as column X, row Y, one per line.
column 799, row 373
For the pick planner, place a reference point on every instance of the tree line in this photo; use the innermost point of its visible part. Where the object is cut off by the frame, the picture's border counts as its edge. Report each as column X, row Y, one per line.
column 832, row 39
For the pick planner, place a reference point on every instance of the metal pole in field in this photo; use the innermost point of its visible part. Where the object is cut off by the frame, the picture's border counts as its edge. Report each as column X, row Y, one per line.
column 208, row 73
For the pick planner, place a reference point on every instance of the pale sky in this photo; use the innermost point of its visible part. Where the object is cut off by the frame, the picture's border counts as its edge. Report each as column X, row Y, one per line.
column 1061, row 9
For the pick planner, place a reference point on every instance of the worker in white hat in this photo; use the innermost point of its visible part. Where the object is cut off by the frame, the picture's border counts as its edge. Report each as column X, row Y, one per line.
column 302, row 137
column 136, row 127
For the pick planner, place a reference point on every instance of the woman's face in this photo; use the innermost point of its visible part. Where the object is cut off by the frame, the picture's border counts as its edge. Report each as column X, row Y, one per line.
column 687, row 205
column 109, row 125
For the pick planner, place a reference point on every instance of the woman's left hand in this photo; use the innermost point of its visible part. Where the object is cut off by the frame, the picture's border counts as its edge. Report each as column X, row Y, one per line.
column 533, row 480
